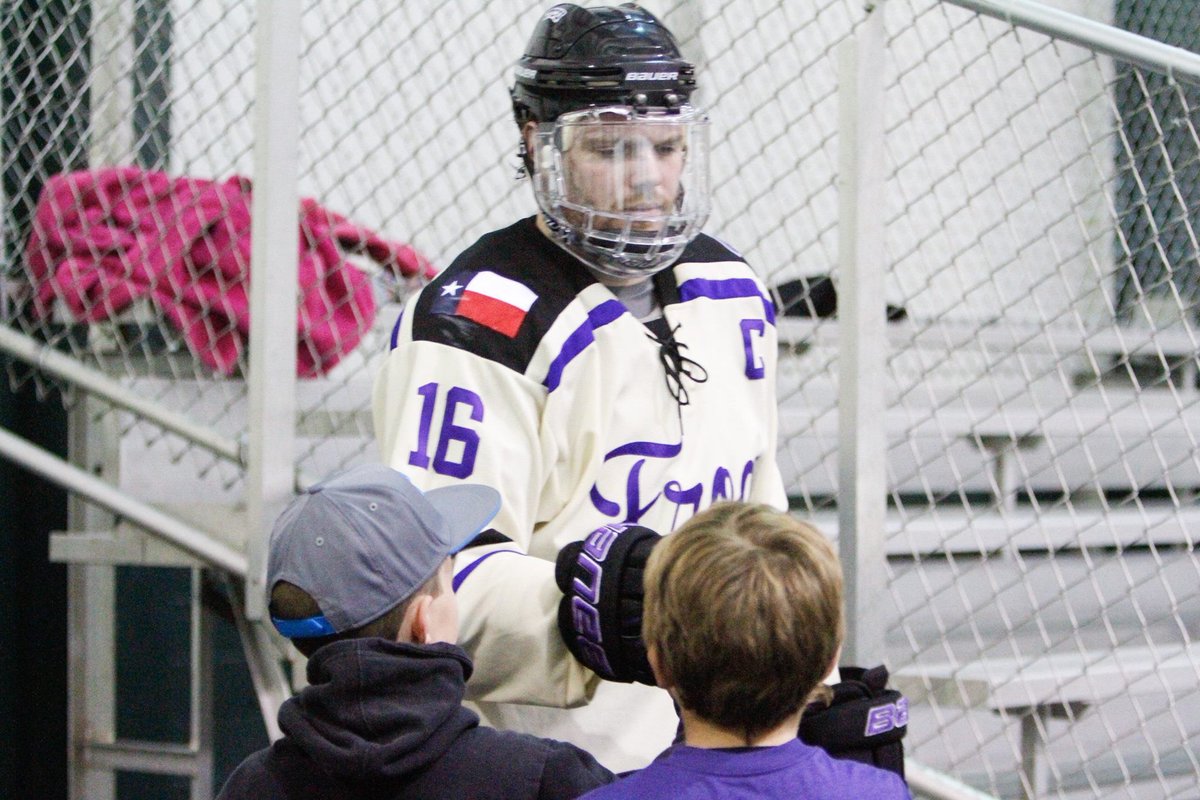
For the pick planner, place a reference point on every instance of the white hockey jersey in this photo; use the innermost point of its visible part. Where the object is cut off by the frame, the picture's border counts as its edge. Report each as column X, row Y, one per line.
column 517, row 369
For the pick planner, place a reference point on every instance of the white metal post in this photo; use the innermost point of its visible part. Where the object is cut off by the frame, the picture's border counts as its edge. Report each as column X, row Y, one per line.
column 862, row 316
column 111, row 89
column 273, row 284
column 91, row 626
column 1034, row 775
column 200, row 705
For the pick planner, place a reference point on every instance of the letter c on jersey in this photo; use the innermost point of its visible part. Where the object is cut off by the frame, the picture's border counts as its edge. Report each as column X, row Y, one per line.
column 752, row 335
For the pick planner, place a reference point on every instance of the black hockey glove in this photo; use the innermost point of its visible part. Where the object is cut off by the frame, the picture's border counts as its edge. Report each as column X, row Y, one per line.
column 600, row 615
column 864, row 722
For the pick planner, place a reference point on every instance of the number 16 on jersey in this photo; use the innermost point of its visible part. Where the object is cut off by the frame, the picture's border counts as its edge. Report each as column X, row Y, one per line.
column 457, row 444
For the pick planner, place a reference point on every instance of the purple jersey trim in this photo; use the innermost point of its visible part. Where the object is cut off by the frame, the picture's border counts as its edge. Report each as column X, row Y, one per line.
column 726, row 289
column 580, row 338
column 469, row 568
column 396, row 331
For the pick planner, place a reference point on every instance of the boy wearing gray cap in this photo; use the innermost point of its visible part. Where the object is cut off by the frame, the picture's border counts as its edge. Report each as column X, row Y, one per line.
column 359, row 575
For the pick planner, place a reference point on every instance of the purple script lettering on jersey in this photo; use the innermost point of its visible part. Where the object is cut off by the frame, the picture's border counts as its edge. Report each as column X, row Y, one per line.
column 692, row 496
column 753, row 331
column 681, row 496
column 722, row 485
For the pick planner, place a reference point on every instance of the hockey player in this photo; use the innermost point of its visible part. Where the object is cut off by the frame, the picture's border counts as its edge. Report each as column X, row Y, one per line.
column 602, row 362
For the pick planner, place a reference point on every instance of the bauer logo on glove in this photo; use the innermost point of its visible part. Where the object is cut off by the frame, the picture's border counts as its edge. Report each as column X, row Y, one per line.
column 600, row 615
column 864, row 721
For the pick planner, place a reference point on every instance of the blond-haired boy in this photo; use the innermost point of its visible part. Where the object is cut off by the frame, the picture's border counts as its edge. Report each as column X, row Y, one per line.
column 743, row 621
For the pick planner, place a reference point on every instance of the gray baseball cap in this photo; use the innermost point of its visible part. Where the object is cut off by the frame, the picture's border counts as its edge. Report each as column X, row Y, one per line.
column 364, row 539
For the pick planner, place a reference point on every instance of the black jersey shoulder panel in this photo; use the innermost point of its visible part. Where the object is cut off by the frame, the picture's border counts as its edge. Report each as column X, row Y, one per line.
column 519, row 253
column 705, row 249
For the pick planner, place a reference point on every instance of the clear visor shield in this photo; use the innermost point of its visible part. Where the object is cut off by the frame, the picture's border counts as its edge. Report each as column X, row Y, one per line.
column 629, row 190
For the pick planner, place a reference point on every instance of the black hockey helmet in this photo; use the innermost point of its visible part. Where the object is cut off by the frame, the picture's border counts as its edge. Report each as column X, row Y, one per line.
column 580, row 58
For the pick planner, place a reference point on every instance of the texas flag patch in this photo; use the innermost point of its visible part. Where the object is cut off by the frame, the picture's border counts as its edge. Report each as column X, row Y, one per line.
column 489, row 299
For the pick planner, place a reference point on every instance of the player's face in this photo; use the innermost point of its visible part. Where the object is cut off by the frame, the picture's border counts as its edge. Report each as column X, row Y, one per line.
column 625, row 167
column 626, row 189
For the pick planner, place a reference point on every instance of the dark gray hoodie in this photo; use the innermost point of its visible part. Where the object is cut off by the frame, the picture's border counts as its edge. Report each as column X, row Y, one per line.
column 385, row 720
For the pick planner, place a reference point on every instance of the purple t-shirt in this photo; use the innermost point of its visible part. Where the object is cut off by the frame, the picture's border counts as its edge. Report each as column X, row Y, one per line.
column 793, row 770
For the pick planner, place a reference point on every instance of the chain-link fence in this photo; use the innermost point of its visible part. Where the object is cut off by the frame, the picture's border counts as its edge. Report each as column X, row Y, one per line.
column 1040, row 229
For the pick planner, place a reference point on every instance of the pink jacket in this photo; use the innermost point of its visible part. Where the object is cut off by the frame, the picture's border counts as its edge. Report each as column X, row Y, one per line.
column 103, row 238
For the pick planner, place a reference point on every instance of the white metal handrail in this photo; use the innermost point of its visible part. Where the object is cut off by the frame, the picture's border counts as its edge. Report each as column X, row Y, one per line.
column 1176, row 62
column 196, row 542
column 60, row 365
column 96, row 383
column 927, row 782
